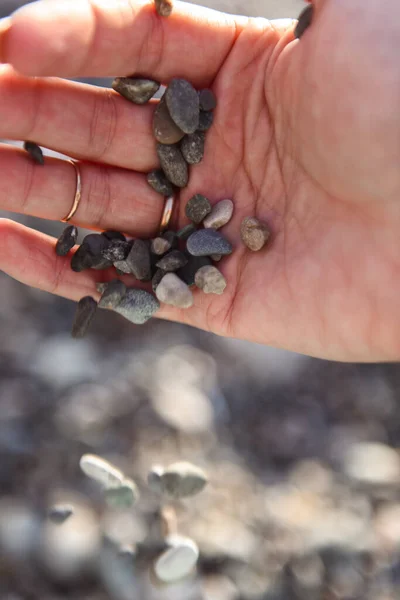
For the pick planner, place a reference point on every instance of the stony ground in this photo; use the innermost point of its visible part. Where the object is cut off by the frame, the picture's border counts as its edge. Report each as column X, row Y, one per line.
column 303, row 500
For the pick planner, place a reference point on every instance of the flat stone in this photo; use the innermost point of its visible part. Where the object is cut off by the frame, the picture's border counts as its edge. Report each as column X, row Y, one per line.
column 135, row 89
column 184, row 233
column 138, row 306
column 122, row 496
column 139, row 260
column 305, row 20
column 254, row 233
column 158, row 275
column 157, row 180
column 59, row 513
column 117, row 250
column 67, row 240
column 172, row 237
column 210, row 280
column 160, row 246
column 101, row 470
column 84, row 314
column 113, row 294
column 182, row 479
column 164, row 128
column 188, row 272
column 206, row 119
column 183, row 104
column 114, row 235
column 220, row 215
column 35, row 152
column 172, row 261
column 192, row 147
column 178, row 561
column 163, row 7
column 89, row 254
column 207, row 100
column 198, row 208
column 173, row 164
column 172, row 290
column 208, row 241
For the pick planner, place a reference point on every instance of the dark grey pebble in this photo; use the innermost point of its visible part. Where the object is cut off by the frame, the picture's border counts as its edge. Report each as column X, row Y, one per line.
column 89, row 254
column 164, row 128
column 35, row 152
column 172, row 261
column 184, row 233
column 192, row 147
column 172, row 238
column 138, row 306
column 135, row 89
column 117, row 250
column 139, row 260
column 84, row 314
column 113, row 294
column 206, row 119
column 188, row 272
column 114, row 235
column 208, row 241
column 183, row 104
column 207, row 100
column 198, row 208
column 67, row 240
column 305, row 20
column 59, row 513
column 157, row 180
column 173, row 164
column 158, row 275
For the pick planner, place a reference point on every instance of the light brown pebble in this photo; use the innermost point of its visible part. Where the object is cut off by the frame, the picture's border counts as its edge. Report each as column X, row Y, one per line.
column 135, row 89
column 172, row 290
column 160, row 246
column 220, row 215
column 210, row 280
column 164, row 129
column 216, row 257
column 254, row 233
column 163, row 7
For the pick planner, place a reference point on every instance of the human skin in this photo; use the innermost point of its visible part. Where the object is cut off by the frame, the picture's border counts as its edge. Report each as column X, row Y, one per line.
column 306, row 137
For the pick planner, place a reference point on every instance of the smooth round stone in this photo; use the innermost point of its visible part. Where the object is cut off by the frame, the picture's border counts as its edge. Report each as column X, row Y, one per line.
column 188, row 272
column 198, row 208
column 138, row 306
column 35, row 152
column 114, row 235
column 192, row 147
column 206, row 119
column 207, row 99
column 373, row 463
column 182, row 479
column 173, row 164
column 178, row 561
column 164, row 128
column 183, row 105
column 220, row 215
column 158, row 275
column 160, row 246
column 117, row 250
column 122, row 496
column 59, row 513
column 67, row 240
column 208, row 241
column 84, row 314
column 101, row 470
column 254, row 233
column 135, row 89
column 210, row 280
column 139, row 260
column 173, row 291
column 172, row 261
column 113, row 294
column 163, row 7
column 157, row 180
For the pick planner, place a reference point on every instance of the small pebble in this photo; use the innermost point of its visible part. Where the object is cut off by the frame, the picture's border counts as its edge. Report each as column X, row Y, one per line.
column 114, row 235
column 254, row 233
column 84, row 314
column 220, row 215
column 183, row 104
column 163, row 7
column 172, row 290
column 172, row 237
column 157, row 180
column 164, row 128
column 178, row 561
column 90, row 253
column 101, row 287
column 216, row 257
column 122, row 496
column 172, row 261
column 305, row 20
column 192, row 147
column 136, row 90
column 207, row 100
column 206, row 119
column 208, row 241
column 198, row 208
column 35, row 152
column 122, row 267
column 173, row 164
column 188, row 272
column 67, row 240
column 182, row 479
column 139, row 260
column 117, row 250
column 210, row 280
column 138, row 306
column 160, row 246
column 113, row 294
column 101, row 470
column 158, row 275
column 60, row 513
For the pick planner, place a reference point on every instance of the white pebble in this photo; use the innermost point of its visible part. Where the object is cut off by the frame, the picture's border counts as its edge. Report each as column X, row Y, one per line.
column 220, row 215
column 101, row 470
column 178, row 561
column 172, row 290
column 210, row 280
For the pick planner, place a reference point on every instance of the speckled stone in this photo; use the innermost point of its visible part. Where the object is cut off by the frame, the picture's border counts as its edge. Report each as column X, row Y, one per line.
column 59, row 513
column 173, row 164
column 163, row 7
column 304, row 21
column 192, row 147
column 117, row 250
column 183, row 104
column 112, row 294
column 198, row 208
column 135, row 89
column 206, row 119
column 182, row 480
column 84, row 314
column 188, row 272
column 138, row 306
column 160, row 246
column 254, row 233
column 220, row 215
column 35, row 152
column 67, row 240
column 186, row 231
column 114, row 235
column 122, row 496
column 165, row 129
column 89, row 254
column 207, row 99
column 122, row 267
column 208, row 241
column 172, row 261
column 139, row 260
column 172, row 290
column 210, row 280
column 157, row 180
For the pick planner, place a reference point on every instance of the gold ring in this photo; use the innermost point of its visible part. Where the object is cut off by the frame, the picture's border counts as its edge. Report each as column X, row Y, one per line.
column 78, row 193
column 167, row 214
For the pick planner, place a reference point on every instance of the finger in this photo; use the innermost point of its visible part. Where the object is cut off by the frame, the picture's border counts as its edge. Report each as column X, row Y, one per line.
column 79, row 120
column 111, row 198
column 101, row 38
